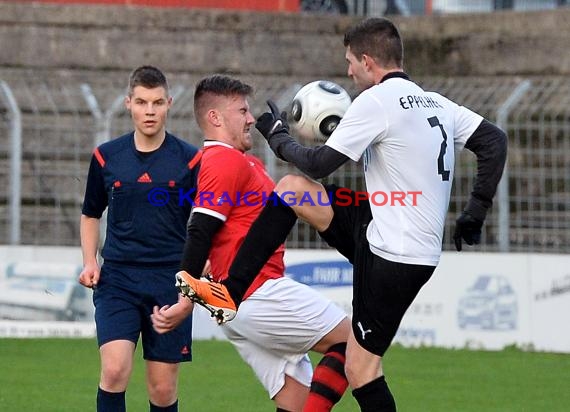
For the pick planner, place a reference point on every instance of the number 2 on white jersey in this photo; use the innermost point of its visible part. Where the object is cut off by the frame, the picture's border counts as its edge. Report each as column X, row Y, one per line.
column 433, row 122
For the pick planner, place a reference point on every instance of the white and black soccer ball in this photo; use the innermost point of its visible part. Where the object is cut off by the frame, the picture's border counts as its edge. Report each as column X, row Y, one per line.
column 317, row 109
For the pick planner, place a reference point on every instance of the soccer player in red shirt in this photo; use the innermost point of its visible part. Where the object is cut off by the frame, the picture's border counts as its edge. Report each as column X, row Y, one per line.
column 279, row 319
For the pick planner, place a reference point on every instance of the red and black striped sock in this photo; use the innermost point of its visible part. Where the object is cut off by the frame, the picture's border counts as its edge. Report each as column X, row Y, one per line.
column 329, row 381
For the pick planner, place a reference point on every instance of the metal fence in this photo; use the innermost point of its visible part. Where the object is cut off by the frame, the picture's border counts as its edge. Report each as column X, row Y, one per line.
column 49, row 127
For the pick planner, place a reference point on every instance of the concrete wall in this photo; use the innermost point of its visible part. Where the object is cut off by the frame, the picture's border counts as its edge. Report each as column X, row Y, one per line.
column 108, row 38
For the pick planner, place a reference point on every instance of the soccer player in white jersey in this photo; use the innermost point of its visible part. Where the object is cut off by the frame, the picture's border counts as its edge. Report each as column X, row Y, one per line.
column 407, row 137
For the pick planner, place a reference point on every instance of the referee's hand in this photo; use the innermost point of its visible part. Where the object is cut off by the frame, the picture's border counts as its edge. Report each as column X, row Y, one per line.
column 89, row 276
column 467, row 228
column 166, row 318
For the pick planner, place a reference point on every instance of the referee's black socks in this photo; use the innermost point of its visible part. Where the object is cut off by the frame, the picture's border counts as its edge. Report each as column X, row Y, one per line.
column 171, row 408
column 110, row 401
column 265, row 235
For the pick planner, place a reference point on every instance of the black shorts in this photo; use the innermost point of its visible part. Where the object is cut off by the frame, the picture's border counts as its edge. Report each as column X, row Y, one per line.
column 382, row 290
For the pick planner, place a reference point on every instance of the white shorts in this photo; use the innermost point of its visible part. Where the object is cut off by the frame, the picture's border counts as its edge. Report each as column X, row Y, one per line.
column 277, row 325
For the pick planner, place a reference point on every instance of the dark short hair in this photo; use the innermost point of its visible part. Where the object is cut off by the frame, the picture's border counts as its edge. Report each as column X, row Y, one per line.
column 222, row 85
column 147, row 76
column 217, row 85
column 377, row 37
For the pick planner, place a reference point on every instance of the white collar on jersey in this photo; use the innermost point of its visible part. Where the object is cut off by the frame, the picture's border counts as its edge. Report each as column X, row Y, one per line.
column 208, row 143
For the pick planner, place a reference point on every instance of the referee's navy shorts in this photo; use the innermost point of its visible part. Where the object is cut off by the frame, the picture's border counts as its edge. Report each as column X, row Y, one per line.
column 124, row 298
column 382, row 290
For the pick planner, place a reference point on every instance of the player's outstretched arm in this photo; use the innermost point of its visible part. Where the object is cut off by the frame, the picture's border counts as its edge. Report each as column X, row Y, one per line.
column 317, row 162
column 489, row 143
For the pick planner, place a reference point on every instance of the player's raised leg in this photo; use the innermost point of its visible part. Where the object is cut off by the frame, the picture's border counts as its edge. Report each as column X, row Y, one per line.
column 311, row 201
column 293, row 196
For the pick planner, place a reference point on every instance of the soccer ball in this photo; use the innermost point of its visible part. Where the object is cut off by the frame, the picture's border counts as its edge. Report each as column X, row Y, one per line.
column 317, row 109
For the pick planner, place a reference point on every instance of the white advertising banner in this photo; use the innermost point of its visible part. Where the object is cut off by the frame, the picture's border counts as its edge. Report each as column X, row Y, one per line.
column 40, row 284
column 549, row 301
column 473, row 300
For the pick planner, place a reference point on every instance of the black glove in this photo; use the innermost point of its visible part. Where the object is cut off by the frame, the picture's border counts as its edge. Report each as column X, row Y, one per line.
column 272, row 123
column 467, row 228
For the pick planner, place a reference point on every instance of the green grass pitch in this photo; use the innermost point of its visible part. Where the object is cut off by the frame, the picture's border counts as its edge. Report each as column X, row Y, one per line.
column 61, row 375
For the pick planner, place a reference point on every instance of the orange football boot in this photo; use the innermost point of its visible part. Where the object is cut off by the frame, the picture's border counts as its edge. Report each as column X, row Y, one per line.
column 213, row 296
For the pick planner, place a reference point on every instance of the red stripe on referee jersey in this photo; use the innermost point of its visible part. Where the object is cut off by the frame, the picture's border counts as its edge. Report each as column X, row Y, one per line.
column 99, row 157
column 195, row 160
